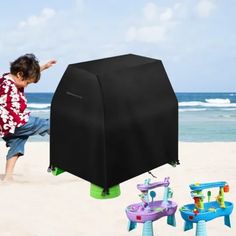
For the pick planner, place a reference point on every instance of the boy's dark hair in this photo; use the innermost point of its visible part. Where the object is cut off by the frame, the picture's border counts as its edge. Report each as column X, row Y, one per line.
column 28, row 65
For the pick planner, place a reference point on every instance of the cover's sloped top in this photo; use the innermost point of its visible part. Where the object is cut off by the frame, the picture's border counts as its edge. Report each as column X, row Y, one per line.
column 109, row 64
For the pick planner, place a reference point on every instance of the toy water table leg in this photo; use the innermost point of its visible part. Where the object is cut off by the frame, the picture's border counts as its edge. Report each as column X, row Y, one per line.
column 171, row 220
column 148, row 229
column 227, row 221
column 131, row 225
column 201, row 228
column 188, row 225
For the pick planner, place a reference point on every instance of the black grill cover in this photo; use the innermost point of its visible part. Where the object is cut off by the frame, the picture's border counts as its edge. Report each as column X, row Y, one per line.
column 113, row 119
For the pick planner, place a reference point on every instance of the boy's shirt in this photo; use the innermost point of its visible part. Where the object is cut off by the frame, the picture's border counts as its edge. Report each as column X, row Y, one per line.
column 13, row 106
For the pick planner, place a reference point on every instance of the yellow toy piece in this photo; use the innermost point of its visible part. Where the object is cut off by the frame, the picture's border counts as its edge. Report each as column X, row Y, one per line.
column 220, row 198
column 212, row 209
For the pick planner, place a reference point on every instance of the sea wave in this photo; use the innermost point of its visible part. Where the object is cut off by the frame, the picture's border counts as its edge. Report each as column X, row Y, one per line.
column 38, row 106
column 192, row 109
column 40, row 111
column 217, row 102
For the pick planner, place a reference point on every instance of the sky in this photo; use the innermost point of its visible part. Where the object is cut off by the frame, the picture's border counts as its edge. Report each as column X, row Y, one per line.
column 195, row 39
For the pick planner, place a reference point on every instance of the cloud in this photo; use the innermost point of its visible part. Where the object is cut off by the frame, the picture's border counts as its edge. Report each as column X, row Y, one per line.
column 166, row 15
column 45, row 15
column 150, row 11
column 158, row 24
column 80, row 5
column 62, row 34
column 148, row 34
column 204, row 8
column 172, row 31
column 155, row 24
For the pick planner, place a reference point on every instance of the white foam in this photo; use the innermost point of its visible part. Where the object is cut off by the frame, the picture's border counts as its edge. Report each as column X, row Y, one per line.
column 38, row 105
column 218, row 102
column 192, row 109
column 40, row 111
column 190, row 104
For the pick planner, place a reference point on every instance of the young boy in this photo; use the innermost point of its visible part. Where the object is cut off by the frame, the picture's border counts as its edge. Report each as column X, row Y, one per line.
column 16, row 124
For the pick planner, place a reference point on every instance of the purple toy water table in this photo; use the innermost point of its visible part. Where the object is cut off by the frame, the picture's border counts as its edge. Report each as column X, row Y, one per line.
column 148, row 211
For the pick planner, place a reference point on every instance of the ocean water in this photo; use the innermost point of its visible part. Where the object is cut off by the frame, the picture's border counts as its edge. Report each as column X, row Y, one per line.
column 203, row 117
column 207, row 117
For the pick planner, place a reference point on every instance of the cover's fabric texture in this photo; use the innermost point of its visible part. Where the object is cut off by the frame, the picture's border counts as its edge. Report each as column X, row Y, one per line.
column 113, row 119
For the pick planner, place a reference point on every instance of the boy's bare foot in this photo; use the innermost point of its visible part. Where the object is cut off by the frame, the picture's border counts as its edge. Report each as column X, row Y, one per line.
column 7, row 178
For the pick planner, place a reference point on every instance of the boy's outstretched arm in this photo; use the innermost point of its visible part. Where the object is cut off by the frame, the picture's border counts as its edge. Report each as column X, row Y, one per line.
column 47, row 65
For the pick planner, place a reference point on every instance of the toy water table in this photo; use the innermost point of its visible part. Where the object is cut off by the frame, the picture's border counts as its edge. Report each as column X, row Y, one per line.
column 201, row 212
column 148, row 211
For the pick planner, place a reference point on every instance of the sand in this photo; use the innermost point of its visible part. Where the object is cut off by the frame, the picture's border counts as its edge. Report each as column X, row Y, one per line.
column 37, row 203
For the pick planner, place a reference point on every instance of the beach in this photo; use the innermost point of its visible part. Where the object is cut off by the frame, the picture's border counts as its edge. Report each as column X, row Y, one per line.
column 37, row 203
